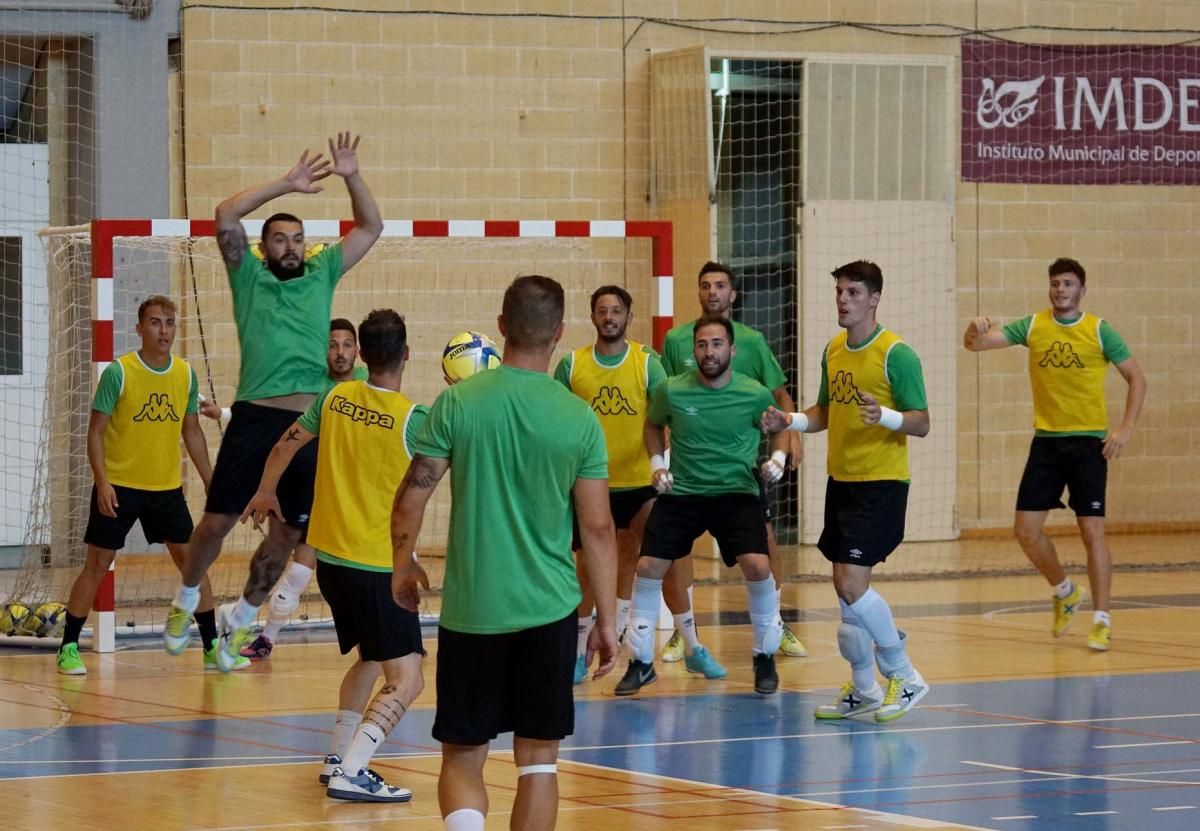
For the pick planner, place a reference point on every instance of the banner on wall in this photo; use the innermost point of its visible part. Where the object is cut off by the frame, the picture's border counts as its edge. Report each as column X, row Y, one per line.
column 1086, row 115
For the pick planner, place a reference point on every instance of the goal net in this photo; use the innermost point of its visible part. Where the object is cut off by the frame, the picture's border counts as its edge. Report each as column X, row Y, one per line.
column 444, row 277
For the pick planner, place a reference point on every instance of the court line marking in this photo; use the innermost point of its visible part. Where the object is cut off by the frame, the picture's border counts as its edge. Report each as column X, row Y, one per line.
column 1140, row 744
column 1098, row 777
column 1175, row 808
column 1020, row 816
column 1095, row 813
column 64, row 716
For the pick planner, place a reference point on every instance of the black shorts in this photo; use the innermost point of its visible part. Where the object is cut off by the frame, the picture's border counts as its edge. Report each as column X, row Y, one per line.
column 624, row 505
column 365, row 615
column 253, row 430
column 734, row 519
column 1074, row 462
column 764, row 500
column 519, row 682
column 864, row 521
column 164, row 516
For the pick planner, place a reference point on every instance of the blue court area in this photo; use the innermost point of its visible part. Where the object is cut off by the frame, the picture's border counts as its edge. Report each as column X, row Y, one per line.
column 1089, row 752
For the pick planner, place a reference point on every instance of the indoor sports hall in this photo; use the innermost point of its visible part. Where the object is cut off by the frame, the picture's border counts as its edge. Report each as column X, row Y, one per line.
column 962, row 145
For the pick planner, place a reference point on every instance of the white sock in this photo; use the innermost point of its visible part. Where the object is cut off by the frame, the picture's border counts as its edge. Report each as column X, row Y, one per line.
column 285, row 599
column 685, row 625
column 464, row 819
column 779, row 603
column 623, row 607
column 583, row 629
column 1101, row 617
column 646, row 598
column 243, row 614
column 187, row 597
column 874, row 615
column 857, row 648
column 764, row 615
column 367, row 739
column 344, row 728
column 1064, row 588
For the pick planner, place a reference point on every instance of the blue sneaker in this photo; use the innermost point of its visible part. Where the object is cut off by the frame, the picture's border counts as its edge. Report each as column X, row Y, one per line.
column 703, row 663
column 581, row 670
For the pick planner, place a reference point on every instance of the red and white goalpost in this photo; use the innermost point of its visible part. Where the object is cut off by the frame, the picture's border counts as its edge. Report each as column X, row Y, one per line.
column 186, row 240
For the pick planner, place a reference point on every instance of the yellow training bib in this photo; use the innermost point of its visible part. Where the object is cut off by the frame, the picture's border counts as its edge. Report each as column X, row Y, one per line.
column 141, row 444
column 617, row 395
column 1066, row 370
column 862, row 452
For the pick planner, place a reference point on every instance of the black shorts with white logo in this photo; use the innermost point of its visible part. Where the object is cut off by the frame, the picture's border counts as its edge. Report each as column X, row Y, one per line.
column 1076, row 463
column 624, row 505
column 365, row 615
column 734, row 519
column 164, row 516
column 864, row 521
column 520, row 682
column 253, row 430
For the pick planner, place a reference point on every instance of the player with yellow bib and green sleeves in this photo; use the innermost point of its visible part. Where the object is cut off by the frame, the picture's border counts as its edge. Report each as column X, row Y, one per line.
column 145, row 401
column 1069, row 354
column 710, row 486
column 616, row 377
column 366, row 431
column 753, row 359
column 872, row 398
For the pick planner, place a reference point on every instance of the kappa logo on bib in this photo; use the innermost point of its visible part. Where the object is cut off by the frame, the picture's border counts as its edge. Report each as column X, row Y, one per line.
column 157, row 408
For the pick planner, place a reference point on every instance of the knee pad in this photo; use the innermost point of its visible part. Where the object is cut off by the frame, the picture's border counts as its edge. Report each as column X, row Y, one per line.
column 855, row 644
column 640, row 638
column 283, row 601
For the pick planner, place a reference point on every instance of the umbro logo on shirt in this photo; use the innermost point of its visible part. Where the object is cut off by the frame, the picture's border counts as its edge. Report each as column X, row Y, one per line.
column 692, row 411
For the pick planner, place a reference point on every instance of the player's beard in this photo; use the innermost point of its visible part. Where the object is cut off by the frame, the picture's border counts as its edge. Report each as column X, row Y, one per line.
column 612, row 338
column 285, row 272
column 707, row 372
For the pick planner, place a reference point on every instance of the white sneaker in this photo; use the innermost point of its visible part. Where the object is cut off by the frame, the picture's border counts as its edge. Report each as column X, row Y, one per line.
column 331, row 762
column 365, row 786
column 901, row 696
column 230, row 639
column 851, row 701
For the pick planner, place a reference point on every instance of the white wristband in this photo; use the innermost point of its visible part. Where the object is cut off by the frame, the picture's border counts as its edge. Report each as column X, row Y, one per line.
column 226, row 414
column 779, row 457
column 799, row 423
column 657, row 462
column 890, row 418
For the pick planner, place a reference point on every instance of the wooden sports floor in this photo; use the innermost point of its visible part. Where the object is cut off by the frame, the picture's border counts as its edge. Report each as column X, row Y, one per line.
column 1020, row 730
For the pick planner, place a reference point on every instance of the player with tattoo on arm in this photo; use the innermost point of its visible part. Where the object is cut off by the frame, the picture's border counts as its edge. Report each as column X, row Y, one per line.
column 366, row 431
column 520, row 449
column 281, row 305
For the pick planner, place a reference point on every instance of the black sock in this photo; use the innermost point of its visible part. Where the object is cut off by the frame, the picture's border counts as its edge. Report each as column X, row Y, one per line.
column 207, row 622
column 74, row 627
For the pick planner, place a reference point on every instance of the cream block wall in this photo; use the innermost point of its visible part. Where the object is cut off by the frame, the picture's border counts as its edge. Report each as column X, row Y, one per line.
column 546, row 115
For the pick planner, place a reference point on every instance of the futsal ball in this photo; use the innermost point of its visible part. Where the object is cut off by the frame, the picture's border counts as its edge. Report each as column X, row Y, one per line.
column 467, row 353
column 53, row 617
column 12, row 619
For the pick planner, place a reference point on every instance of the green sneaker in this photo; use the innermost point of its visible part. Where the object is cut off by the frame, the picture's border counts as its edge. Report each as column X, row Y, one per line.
column 69, row 662
column 210, row 660
column 177, row 632
column 229, row 645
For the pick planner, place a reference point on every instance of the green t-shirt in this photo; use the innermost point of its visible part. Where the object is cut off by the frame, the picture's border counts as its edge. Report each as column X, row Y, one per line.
column 904, row 374
column 359, row 373
column 1114, row 347
column 516, row 441
column 752, row 358
column 283, row 325
column 714, row 432
column 108, row 389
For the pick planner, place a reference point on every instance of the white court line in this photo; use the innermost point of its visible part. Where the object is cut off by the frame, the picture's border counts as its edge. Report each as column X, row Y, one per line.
column 1095, row 813
column 1098, row 777
column 1138, row 744
column 1124, row 718
column 1175, row 808
column 1020, row 816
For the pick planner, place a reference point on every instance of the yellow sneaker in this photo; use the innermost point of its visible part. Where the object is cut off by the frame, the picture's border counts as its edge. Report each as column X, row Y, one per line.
column 1064, row 610
column 1100, row 637
column 791, row 646
column 673, row 650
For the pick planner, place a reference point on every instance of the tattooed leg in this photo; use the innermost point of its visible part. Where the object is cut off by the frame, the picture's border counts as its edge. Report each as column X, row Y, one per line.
column 403, row 682
column 269, row 560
